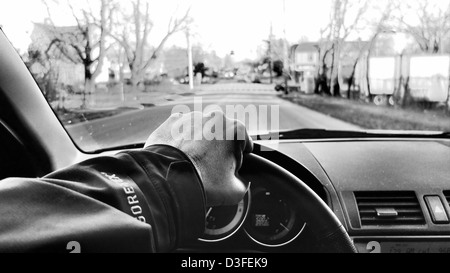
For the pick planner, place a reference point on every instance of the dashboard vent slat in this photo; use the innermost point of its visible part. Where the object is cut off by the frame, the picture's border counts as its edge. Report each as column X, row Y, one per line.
column 404, row 207
column 447, row 196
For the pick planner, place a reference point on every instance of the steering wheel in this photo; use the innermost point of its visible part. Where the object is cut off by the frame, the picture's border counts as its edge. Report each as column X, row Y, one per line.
column 330, row 236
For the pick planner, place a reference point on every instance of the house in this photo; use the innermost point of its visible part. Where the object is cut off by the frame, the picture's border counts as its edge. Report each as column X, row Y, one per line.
column 306, row 62
column 305, row 57
column 63, row 59
column 63, row 71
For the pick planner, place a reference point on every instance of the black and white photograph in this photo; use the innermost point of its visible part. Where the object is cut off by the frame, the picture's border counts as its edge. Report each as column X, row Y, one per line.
column 225, row 132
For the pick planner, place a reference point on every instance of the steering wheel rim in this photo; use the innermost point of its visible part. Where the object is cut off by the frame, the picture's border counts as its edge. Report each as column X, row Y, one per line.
column 330, row 235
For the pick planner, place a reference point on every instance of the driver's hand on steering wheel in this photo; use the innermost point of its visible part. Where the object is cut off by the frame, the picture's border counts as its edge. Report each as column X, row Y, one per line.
column 217, row 154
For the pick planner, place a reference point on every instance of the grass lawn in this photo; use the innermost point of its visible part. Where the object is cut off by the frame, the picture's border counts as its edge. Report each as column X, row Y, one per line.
column 370, row 116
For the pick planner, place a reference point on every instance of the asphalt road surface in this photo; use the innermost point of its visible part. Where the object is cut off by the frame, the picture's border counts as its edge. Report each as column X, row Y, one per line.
column 135, row 126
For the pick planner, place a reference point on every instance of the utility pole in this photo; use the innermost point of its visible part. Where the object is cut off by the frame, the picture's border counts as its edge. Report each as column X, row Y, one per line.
column 286, row 62
column 190, row 61
column 270, row 53
column 286, row 44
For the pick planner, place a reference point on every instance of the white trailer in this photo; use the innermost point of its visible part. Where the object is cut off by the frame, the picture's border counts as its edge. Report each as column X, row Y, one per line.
column 382, row 75
column 429, row 78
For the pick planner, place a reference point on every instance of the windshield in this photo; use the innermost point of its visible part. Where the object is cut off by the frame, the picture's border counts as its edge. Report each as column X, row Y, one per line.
column 113, row 71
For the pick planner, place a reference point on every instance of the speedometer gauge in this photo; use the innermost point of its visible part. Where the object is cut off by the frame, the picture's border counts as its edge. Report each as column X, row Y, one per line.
column 223, row 222
column 272, row 221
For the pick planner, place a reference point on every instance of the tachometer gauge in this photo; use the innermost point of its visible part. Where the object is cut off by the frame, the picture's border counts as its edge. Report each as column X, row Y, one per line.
column 223, row 222
column 272, row 221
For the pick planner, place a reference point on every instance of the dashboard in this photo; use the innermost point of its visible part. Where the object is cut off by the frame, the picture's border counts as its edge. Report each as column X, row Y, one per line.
column 266, row 216
column 392, row 196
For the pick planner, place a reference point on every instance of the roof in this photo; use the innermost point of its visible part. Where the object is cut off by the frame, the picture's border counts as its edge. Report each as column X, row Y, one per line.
column 50, row 29
column 43, row 34
column 313, row 46
column 305, row 47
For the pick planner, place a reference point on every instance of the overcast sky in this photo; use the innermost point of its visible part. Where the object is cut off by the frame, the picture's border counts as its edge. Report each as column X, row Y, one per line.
column 221, row 25
column 241, row 25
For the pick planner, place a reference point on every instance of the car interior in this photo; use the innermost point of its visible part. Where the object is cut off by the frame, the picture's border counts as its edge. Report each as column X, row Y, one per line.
column 389, row 191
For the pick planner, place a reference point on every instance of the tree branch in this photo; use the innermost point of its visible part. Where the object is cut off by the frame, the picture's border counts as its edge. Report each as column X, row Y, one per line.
column 177, row 26
column 62, row 48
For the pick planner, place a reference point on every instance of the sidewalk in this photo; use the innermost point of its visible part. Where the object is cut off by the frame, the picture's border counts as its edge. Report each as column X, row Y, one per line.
column 116, row 97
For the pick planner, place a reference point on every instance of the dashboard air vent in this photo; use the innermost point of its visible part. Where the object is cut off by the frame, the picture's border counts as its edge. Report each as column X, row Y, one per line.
column 447, row 197
column 389, row 209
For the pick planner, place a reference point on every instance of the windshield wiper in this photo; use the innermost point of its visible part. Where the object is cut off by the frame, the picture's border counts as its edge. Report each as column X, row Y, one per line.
column 333, row 134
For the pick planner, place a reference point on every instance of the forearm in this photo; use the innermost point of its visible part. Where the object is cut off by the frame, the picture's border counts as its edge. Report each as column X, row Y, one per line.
column 146, row 201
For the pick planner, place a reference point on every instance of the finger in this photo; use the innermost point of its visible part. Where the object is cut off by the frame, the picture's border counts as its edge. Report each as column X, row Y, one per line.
column 249, row 145
column 239, row 158
column 242, row 144
column 244, row 139
column 176, row 115
column 217, row 116
column 236, row 194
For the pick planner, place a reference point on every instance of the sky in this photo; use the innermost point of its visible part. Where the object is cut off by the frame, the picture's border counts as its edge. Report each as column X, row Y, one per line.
column 242, row 25
column 220, row 25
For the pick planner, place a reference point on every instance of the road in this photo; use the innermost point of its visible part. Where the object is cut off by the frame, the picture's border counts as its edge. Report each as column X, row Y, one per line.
column 135, row 126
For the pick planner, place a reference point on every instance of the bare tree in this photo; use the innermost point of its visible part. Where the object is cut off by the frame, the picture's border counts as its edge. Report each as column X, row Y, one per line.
column 429, row 25
column 46, row 74
column 361, row 49
column 86, row 42
column 324, row 48
column 134, row 37
column 344, row 20
column 380, row 26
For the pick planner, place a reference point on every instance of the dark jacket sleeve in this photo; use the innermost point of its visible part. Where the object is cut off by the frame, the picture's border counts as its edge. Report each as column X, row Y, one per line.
column 144, row 201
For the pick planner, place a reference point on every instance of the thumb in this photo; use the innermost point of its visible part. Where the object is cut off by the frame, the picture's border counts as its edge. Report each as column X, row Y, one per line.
column 237, row 192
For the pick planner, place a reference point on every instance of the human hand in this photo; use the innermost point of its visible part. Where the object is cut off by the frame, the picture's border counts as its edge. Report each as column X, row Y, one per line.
column 215, row 144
